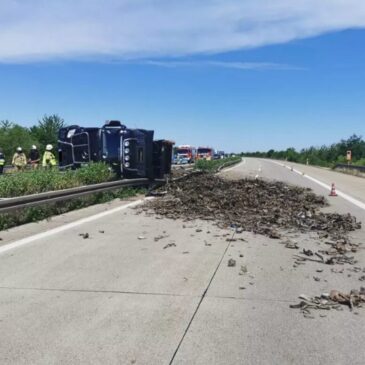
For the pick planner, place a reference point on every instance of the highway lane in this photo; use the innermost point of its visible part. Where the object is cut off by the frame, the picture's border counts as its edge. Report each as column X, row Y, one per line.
column 274, row 170
column 143, row 290
column 256, row 326
column 350, row 184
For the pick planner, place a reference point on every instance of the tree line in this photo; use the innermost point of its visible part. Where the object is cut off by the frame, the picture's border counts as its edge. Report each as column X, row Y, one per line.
column 321, row 156
column 13, row 135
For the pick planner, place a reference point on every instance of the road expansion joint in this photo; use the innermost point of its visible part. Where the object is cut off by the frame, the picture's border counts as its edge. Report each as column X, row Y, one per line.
column 201, row 299
column 98, row 291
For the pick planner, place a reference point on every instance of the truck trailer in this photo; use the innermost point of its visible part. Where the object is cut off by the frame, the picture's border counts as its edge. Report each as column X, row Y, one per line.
column 131, row 153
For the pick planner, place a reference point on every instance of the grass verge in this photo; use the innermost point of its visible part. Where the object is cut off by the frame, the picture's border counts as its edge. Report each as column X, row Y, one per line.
column 215, row 165
column 39, row 181
column 35, row 214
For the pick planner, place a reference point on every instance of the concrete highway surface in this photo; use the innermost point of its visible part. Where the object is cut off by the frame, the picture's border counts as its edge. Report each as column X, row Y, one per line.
column 142, row 290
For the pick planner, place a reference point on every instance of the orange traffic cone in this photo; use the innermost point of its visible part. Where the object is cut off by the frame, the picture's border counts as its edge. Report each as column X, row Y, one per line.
column 333, row 190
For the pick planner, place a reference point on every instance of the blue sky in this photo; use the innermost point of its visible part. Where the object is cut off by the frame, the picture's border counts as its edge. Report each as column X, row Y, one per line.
column 264, row 77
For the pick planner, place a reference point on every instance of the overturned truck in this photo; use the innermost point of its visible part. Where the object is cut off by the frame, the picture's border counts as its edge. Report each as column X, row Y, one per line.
column 131, row 153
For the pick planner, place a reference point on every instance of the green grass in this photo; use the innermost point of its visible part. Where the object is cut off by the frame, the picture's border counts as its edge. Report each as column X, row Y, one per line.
column 360, row 162
column 39, row 181
column 35, row 214
column 214, row 165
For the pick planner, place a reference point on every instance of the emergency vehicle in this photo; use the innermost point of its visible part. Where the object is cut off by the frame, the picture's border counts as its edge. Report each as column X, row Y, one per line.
column 185, row 154
column 205, row 153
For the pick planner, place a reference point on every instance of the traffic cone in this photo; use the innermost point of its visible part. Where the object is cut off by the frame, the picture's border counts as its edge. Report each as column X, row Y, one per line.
column 333, row 190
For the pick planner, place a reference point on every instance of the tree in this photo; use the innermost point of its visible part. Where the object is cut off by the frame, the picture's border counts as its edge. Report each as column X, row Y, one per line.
column 46, row 132
column 12, row 136
column 291, row 154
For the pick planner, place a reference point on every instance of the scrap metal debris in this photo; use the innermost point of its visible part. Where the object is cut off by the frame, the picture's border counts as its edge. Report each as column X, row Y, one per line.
column 169, row 245
column 257, row 206
column 290, row 244
column 334, row 300
column 243, row 270
column 160, row 237
column 308, row 252
column 84, row 235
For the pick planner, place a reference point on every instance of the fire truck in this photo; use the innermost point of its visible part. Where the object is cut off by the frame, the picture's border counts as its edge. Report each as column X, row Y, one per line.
column 205, row 153
column 131, row 153
column 185, row 154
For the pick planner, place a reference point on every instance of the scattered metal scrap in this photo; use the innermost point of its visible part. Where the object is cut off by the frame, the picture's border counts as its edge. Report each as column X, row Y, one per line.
column 334, row 300
column 257, row 206
column 160, row 237
column 172, row 244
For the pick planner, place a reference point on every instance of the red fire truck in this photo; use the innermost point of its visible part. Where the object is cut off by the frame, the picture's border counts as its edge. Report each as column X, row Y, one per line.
column 205, row 153
column 185, row 154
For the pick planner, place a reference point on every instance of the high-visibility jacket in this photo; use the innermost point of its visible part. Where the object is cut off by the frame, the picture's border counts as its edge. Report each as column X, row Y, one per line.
column 19, row 159
column 49, row 159
column 2, row 159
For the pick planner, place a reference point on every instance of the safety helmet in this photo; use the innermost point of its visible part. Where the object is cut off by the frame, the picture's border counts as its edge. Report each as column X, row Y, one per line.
column 49, row 147
column 34, row 147
column 19, row 149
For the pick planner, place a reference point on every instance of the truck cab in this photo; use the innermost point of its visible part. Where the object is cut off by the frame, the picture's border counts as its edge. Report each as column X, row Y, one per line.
column 185, row 154
column 205, row 153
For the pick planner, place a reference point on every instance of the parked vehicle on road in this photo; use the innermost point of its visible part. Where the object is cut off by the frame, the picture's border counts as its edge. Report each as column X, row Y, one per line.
column 205, row 153
column 185, row 154
column 218, row 155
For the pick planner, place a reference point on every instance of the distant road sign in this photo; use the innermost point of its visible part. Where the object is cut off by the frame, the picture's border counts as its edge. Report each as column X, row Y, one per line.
column 349, row 156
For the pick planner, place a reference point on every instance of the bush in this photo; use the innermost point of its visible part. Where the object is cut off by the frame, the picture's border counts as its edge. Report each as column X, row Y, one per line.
column 360, row 162
column 214, row 165
column 94, row 173
column 39, row 181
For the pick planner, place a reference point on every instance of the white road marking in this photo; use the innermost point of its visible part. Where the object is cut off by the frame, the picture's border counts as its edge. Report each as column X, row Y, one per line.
column 65, row 227
column 349, row 198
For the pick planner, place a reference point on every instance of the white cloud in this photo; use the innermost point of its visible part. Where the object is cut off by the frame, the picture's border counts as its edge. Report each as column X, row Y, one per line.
column 130, row 29
column 259, row 66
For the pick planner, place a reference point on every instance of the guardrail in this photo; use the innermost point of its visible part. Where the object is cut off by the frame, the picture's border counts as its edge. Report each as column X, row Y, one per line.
column 27, row 201
column 350, row 167
column 228, row 164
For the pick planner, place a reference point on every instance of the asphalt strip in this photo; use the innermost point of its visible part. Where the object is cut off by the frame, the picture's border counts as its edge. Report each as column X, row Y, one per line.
column 65, row 227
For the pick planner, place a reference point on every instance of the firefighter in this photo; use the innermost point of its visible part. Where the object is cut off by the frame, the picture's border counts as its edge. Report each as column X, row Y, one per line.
column 19, row 159
column 2, row 161
column 34, row 157
column 49, row 159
